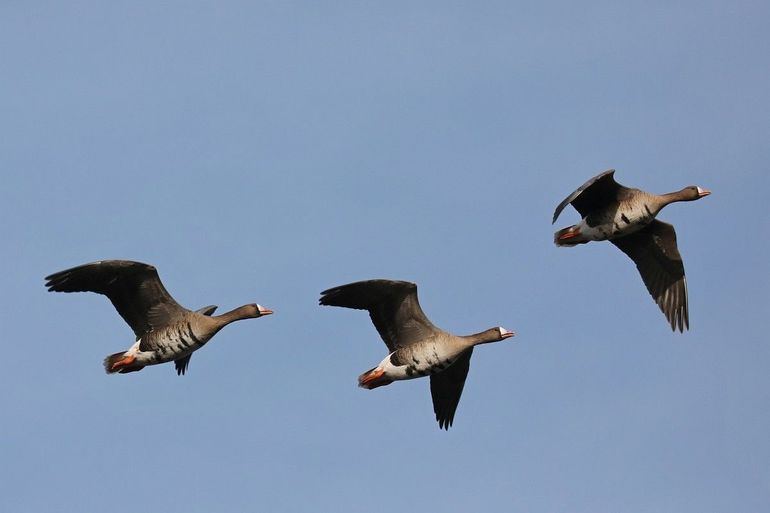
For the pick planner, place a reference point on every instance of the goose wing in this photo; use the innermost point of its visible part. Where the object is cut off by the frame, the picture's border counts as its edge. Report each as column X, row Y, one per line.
column 654, row 251
column 181, row 364
column 446, row 387
column 393, row 307
column 133, row 288
column 595, row 194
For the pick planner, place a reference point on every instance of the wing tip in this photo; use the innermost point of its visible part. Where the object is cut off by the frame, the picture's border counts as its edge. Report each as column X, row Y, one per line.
column 673, row 304
column 326, row 297
column 444, row 422
column 56, row 281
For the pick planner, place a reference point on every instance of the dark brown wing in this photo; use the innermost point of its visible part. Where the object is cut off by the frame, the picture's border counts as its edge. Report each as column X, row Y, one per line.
column 595, row 194
column 653, row 249
column 446, row 387
column 392, row 305
column 133, row 287
column 181, row 364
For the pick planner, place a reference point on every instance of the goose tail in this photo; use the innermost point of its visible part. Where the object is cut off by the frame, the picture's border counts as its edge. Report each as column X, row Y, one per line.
column 569, row 236
column 121, row 362
column 373, row 378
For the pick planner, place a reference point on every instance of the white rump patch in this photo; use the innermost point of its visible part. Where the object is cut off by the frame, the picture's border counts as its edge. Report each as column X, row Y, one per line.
column 134, row 349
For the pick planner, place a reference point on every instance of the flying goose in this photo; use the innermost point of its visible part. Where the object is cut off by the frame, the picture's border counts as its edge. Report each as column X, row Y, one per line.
column 164, row 330
column 417, row 347
column 626, row 217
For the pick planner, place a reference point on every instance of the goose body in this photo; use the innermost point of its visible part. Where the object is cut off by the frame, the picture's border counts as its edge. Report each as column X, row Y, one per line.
column 635, row 209
column 172, row 342
column 627, row 218
column 165, row 331
column 429, row 357
column 417, row 347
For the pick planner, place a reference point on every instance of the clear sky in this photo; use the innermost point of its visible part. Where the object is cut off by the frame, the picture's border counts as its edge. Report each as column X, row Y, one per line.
column 265, row 151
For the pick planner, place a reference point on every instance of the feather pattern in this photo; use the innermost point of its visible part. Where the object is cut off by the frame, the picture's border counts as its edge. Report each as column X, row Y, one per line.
column 654, row 251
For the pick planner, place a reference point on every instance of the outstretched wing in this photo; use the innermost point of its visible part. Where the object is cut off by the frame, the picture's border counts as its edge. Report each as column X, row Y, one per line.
column 133, row 287
column 592, row 195
column 653, row 249
column 392, row 305
column 446, row 387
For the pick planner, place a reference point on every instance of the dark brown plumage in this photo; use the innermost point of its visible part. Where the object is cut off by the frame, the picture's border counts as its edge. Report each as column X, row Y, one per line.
column 134, row 289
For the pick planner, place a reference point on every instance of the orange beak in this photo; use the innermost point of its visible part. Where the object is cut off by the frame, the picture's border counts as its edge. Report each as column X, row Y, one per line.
column 703, row 192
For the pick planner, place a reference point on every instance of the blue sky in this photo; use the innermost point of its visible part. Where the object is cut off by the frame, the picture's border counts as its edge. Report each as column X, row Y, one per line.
column 265, row 151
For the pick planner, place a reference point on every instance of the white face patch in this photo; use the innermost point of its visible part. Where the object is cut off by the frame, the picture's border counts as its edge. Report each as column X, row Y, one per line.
column 504, row 332
column 702, row 192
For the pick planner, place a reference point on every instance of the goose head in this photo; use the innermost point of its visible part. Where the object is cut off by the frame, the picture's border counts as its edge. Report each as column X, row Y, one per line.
column 252, row 310
column 693, row 193
column 487, row 336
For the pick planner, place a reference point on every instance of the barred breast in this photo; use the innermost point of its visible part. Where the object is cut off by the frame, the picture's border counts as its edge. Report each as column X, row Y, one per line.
column 173, row 342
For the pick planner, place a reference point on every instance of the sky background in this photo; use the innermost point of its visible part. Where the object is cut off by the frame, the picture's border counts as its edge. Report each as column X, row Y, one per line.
column 265, row 151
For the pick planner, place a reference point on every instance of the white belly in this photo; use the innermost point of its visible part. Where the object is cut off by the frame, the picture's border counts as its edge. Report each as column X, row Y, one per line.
column 623, row 224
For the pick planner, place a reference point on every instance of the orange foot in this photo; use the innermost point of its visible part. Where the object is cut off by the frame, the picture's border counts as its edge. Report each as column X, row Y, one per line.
column 569, row 235
column 126, row 360
column 373, row 379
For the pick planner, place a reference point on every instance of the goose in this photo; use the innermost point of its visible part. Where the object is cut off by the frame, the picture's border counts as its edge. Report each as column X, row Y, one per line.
column 165, row 331
column 417, row 347
column 626, row 217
